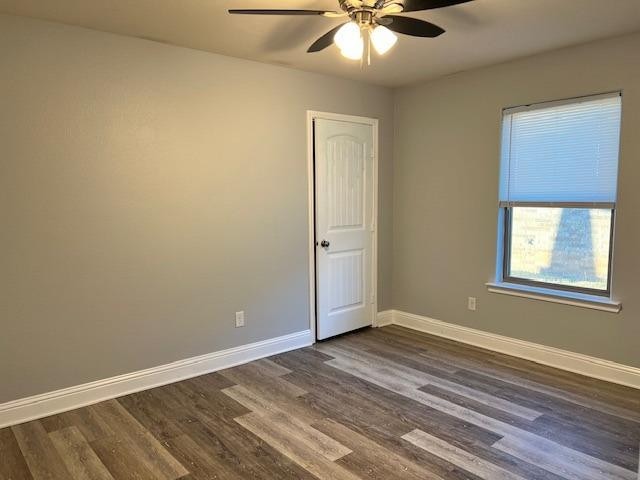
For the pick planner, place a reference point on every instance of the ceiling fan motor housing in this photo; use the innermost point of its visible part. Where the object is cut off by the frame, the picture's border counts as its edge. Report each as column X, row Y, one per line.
column 366, row 13
column 363, row 18
column 347, row 4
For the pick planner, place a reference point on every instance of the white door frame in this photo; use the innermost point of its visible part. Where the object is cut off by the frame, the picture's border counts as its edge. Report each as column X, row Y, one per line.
column 311, row 116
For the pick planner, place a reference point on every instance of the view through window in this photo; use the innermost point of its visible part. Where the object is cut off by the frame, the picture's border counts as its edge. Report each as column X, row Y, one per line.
column 564, row 246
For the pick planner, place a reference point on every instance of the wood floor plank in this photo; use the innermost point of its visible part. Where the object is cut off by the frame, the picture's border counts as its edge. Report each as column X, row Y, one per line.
column 201, row 463
column 459, row 457
column 185, row 399
column 117, row 454
column 563, row 461
column 461, row 438
column 512, row 372
column 297, row 428
column 256, row 398
column 12, row 463
column 420, row 358
column 588, row 391
column 81, row 461
column 566, row 395
column 598, row 434
column 215, row 431
column 545, row 374
column 580, row 433
column 362, row 415
column 406, row 354
column 419, row 379
column 588, row 441
column 269, row 368
column 552, row 406
column 249, row 374
column 276, row 390
column 140, row 442
column 392, row 382
column 340, row 404
column 371, row 460
column 213, row 381
column 85, row 419
column 41, row 456
column 238, row 448
column 533, row 386
column 344, row 397
column 151, row 413
column 281, row 440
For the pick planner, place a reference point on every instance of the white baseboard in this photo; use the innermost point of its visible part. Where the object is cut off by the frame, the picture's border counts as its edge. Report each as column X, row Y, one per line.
column 38, row 406
column 384, row 318
column 553, row 357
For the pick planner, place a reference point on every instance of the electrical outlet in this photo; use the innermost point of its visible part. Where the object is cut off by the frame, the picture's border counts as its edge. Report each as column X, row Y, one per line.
column 239, row 319
column 471, row 303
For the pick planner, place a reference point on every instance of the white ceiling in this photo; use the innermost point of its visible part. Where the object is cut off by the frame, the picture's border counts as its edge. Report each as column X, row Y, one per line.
column 481, row 32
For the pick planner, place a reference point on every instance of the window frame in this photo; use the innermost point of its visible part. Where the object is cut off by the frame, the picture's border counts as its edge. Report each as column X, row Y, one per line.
column 507, row 211
column 503, row 263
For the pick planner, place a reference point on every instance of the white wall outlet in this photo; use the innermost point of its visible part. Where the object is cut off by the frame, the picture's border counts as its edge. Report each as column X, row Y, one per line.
column 471, row 303
column 239, row 319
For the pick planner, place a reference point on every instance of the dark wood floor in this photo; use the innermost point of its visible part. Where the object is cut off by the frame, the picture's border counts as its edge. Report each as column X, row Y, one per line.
column 378, row 404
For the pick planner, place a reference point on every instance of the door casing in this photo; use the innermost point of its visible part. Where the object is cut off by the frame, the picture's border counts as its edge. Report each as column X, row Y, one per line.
column 311, row 116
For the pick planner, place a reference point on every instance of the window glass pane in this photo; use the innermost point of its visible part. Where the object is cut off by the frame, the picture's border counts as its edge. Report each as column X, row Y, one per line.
column 564, row 246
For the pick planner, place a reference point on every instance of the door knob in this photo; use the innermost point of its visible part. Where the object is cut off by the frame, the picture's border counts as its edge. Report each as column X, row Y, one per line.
column 324, row 244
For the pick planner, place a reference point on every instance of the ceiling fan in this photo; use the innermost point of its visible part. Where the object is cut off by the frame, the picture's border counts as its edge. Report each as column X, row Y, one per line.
column 371, row 22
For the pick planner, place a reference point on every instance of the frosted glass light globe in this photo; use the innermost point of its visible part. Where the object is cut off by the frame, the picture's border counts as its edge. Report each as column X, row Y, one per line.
column 349, row 40
column 354, row 51
column 383, row 39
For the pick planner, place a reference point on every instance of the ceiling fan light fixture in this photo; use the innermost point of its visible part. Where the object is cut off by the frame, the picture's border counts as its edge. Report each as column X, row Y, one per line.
column 383, row 39
column 349, row 40
column 370, row 23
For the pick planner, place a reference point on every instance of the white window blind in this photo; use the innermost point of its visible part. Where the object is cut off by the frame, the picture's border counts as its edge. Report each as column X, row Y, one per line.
column 561, row 152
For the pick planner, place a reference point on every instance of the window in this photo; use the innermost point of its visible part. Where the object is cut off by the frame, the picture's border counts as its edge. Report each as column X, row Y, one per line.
column 558, row 184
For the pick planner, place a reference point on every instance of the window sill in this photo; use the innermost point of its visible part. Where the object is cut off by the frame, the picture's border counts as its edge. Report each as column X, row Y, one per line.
column 556, row 296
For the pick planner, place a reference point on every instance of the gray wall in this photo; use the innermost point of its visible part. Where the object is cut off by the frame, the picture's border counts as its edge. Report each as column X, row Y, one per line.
column 446, row 186
column 147, row 193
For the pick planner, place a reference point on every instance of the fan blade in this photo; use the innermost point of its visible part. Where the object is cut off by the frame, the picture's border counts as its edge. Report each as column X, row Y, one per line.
column 284, row 12
column 390, row 9
column 384, row 21
column 414, row 27
column 325, row 40
column 418, row 5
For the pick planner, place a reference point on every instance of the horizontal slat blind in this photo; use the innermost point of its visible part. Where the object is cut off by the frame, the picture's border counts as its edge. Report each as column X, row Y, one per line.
column 562, row 152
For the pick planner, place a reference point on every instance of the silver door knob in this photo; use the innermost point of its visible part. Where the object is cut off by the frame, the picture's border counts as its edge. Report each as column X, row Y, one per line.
column 324, row 244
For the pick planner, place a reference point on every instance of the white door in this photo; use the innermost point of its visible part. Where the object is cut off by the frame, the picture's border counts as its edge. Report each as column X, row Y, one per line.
column 344, row 226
